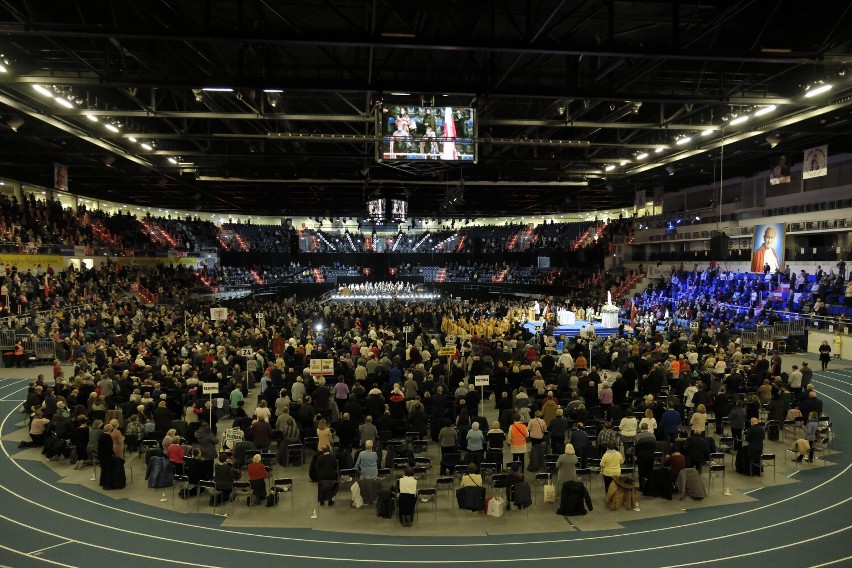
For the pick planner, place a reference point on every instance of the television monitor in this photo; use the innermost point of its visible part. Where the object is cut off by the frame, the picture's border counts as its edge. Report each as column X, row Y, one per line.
column 399, row 210
column 415, row 133
column 376, row 209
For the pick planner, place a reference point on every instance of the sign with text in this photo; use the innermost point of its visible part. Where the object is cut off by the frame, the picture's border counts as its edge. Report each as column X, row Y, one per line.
column 218, row 314
column 446, row 351
column 481, row 380
column 408, row 329
column 210, row 388
column 322, row 366
column 246, row 351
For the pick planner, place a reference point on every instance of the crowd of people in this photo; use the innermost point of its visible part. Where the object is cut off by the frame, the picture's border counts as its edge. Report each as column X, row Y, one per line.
column 138, row 370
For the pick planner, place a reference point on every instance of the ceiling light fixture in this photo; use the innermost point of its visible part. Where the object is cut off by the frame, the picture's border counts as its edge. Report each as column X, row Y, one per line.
column 92, row 117
column 273, row 90
column 707, row 132
column 610, row 167
column 818, row 90
column 642, row 156
column 622, row 163
column 739, row 120
column 765, row 110
column 3, row 68
column 658, row 150
column 111, row 127
column 683, row 140
column 42, row 90
column 146, row 146
column 217, row 89
column 172, row 160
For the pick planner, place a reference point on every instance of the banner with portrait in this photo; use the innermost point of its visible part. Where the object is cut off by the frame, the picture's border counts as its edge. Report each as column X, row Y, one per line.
column 60, row 176
column 768, row 247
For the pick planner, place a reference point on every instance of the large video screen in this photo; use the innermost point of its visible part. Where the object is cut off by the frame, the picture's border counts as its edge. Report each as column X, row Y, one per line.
column 427, row 133
column 376, row 210
column 398, row 210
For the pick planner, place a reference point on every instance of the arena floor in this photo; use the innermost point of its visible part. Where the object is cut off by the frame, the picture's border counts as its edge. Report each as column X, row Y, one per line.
column 51, row 514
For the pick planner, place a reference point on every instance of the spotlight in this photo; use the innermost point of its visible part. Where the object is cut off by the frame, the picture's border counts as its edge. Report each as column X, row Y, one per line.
column 64, row 102
column 773, row 139
column 108, row 161
column 14, row 122
column 42, row 90
column 670, row 169
column 812, row 92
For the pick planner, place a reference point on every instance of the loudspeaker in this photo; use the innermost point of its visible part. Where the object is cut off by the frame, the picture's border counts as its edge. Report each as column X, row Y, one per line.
column 719, row 245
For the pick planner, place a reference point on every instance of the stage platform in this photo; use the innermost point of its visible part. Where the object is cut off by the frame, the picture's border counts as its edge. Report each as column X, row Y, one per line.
column 572, row 330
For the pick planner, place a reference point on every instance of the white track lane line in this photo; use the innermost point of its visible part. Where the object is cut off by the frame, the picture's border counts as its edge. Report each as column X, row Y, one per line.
column 447, row 545
column 324, row 541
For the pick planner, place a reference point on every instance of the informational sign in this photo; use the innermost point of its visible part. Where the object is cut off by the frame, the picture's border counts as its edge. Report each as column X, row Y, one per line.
column 322, row 367
column 693, row 325
column 481, row 380
column 210, row 388
column 408, row 329
column 246, row 351
column 451, row 338
column 766, row 345
column 446, row 351
column 218, row 314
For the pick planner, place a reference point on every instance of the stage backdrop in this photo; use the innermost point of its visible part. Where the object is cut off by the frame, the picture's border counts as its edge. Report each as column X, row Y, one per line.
column 768, row 247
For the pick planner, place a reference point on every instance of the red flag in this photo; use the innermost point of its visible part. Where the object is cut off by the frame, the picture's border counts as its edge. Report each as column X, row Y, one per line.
column 633, row 314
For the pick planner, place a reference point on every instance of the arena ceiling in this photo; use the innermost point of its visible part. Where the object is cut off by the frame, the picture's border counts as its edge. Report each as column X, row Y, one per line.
column 569, row 95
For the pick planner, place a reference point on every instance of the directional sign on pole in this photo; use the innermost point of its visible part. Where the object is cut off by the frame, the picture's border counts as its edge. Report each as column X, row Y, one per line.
column 209, row 388
column 246, row 351
column 445, row 351
column 481, row 381
column 408, row 329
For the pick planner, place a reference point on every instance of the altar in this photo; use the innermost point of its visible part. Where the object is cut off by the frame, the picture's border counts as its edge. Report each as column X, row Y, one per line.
column 609, row 313
column 565, row 317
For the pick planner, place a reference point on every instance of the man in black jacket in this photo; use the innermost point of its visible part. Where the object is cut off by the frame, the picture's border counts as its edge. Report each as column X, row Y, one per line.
column 754, row 438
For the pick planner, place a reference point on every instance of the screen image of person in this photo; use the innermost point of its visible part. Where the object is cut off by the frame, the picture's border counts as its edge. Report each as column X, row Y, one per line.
column 765, row 254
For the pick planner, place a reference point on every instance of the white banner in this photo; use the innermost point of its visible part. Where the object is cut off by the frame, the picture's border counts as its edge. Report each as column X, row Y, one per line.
column 816, row 162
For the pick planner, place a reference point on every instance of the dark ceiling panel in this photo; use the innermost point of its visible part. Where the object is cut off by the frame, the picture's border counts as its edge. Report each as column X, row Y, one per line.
column 562, row 90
